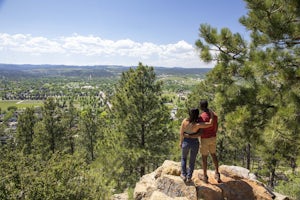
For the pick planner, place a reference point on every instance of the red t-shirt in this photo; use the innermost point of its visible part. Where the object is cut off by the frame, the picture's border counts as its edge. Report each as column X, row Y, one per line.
column 211, row 131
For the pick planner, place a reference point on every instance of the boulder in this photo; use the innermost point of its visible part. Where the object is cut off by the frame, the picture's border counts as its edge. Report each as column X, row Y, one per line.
column 145, row 187
column 122, row 196
column 174, row 186
column 236, row 172
column 236, row 183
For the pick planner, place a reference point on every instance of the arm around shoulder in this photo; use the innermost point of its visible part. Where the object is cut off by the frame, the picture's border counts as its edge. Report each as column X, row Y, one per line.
column 207, row 124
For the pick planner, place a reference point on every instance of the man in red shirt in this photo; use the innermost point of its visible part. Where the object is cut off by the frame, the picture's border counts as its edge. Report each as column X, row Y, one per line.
column 209, row 141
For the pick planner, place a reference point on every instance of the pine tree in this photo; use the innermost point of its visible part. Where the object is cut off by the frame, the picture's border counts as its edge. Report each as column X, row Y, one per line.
column 230, row 86
column 252, row 84
column 70, row 121
column 275, row 53
column 25, row 130
column 49, row 133
column 143, row 118
column 89, row 133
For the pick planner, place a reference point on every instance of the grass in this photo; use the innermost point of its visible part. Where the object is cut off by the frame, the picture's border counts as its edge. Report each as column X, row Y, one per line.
column 182, row 80
column 4, row 104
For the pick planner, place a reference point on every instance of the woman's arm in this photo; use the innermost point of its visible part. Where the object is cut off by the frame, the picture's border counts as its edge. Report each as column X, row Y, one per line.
column 181, row 132
column 207, row 124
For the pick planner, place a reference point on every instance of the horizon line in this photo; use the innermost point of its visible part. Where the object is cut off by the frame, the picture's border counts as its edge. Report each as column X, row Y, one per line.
column 110, row 65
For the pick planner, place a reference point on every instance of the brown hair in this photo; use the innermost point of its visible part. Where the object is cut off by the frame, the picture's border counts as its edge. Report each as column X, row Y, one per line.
column 193, row 115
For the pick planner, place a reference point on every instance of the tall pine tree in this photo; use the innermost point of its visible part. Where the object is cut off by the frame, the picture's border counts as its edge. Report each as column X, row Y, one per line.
column 50, row 132
column 255, row 87
column 274, row 56
column 141, row 115
column 25, row 130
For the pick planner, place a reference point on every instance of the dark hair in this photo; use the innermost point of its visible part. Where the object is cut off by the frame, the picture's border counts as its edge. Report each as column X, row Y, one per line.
column 203, row 104
column 194, row 115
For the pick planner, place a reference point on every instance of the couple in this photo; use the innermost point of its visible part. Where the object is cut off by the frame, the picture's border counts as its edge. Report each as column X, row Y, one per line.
column 189, row 141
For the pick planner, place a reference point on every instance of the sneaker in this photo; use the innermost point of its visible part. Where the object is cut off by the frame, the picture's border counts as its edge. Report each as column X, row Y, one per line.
column 218, row 177
column 183, row 177
column 188, row 180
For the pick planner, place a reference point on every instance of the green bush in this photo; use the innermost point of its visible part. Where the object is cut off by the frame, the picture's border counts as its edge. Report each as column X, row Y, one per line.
column 291, row 187
column 12, row 108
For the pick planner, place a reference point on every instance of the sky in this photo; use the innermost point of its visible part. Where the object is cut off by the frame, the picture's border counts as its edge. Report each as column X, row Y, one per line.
column 111, row 32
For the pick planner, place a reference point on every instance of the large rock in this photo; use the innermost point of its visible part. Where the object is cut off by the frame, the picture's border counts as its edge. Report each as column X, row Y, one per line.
column 145, row 187
column 156, row 195
column 237, row 184
column 236, row 172
column 174, row 186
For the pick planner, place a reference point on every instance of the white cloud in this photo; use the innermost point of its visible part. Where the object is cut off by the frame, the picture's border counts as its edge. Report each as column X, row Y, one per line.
column 92, row 50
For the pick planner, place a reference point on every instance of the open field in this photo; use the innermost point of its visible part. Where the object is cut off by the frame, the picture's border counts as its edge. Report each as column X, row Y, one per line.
column 4, row 104
column 186, row 80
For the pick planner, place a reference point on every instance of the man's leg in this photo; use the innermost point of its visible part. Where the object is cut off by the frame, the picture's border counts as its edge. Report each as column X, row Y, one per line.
column 212, row 150
column 216, row 162
column 204, row 155
column 204, row 164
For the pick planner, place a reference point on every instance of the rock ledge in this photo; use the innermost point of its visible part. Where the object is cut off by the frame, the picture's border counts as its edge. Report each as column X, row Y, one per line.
column 237, row 184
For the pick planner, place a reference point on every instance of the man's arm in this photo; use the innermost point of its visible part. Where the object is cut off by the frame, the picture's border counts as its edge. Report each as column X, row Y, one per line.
column 202, row 125
column 192, row 136
column 207, row 124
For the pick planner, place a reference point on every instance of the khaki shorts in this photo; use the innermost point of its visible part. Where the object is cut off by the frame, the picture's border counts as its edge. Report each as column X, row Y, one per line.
column 208, row 145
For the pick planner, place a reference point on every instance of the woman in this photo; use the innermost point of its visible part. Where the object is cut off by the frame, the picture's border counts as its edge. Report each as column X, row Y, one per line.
column 189, row 143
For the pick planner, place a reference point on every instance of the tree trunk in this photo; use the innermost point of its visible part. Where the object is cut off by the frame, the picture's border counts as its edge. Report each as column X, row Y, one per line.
column 52, row 142
column 71, row 140
column 272, row 173
column 293, row 164
column 142, row 169
column 272, row 178
column 92, row 147
column 248, row 155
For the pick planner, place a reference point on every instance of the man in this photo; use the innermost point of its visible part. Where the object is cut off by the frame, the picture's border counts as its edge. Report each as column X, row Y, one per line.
column 209, row 141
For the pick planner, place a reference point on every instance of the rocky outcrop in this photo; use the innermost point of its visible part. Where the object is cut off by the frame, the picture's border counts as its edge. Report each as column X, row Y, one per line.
column 237, row 183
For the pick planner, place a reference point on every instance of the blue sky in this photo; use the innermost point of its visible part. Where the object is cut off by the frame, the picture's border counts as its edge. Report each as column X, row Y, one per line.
column 112, row 32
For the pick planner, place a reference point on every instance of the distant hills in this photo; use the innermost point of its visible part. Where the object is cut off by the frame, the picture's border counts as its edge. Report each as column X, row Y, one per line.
column 32, row 71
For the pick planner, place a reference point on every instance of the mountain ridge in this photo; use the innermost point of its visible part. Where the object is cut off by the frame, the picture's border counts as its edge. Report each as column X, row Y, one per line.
column 46, row 70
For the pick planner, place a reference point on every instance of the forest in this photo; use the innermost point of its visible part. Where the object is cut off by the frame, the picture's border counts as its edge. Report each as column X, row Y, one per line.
column 91, row 137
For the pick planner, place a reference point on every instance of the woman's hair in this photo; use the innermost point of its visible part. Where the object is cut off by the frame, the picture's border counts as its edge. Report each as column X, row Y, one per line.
column 194, row 115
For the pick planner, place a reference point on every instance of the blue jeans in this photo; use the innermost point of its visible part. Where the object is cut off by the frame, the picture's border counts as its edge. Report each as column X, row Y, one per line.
column 189, row 145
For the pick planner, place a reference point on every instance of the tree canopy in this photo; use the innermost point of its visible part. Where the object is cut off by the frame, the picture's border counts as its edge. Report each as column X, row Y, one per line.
column 255, row 85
